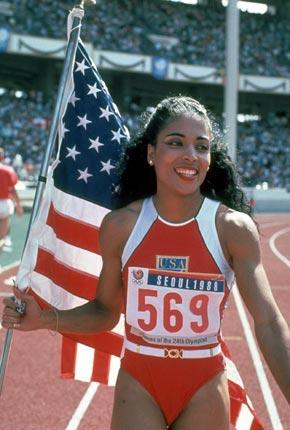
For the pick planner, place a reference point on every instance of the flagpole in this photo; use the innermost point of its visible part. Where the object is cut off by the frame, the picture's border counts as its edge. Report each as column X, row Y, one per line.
column 69, row 58
column 67, row 66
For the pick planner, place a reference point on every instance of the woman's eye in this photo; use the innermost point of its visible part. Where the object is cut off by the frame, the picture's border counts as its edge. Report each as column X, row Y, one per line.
column 174, row 143
column 203, row 147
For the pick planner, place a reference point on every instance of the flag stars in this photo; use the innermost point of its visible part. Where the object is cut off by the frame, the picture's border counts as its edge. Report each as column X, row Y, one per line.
column 117, row 135
column 73, row 99
column 83, row 121
column 72, row 152
column 93, row 90
column 107, row 167
column 106, row 113
column 95, row 143
column 81, row 67
column 84, row 175
column 63, row 130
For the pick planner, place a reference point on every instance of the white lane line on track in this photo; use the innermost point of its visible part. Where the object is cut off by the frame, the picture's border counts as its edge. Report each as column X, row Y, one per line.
column 262, row 378
column 9, row 267
column 274, row 248
column 3, row 294
column 83, row 406
column 272, row 224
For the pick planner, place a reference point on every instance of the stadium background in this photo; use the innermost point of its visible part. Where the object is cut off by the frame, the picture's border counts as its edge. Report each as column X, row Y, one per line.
column 145, row 50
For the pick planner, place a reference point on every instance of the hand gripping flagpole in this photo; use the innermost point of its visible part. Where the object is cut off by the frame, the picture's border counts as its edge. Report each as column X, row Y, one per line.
column 77, row 15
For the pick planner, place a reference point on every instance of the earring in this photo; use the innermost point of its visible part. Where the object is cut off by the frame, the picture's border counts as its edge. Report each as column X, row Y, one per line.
column 150, row 162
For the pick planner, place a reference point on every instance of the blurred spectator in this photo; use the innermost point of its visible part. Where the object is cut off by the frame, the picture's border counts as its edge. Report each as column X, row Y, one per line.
column 126, row 25
column 9, row 199
column 263, row 153
column 190, row 34
column 24, row 123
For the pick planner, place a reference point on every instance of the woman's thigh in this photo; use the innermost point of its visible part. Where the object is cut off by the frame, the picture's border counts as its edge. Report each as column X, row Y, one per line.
column 208, row 409
column 134, row 408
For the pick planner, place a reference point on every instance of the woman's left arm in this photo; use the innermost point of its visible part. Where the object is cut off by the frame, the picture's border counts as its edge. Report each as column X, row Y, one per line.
column 272, row 332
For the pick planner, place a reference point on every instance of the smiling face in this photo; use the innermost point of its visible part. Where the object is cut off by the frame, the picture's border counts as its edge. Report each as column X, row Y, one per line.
column 181, row 156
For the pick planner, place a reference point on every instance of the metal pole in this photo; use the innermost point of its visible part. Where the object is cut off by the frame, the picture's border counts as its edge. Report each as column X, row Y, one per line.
column 68, row 63
column 5, row 356
column 69, row 58
column 232, row 77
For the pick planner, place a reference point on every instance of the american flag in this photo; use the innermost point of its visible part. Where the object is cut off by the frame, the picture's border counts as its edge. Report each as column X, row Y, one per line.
column 61, row 263
column 242, row 413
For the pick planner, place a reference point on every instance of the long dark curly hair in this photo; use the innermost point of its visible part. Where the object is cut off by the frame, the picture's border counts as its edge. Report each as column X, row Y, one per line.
column 138, row 179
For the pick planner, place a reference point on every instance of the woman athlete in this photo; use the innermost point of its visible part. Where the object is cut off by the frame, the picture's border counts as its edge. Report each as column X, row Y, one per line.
column 182, row 236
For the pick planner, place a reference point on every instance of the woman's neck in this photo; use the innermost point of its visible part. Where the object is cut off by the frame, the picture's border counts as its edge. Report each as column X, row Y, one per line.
column 179, row 208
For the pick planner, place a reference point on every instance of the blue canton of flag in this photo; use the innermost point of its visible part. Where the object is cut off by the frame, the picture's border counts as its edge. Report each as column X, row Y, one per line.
column 92, row 136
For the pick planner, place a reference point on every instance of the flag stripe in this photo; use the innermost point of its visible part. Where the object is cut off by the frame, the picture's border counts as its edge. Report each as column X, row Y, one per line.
column 108, row 342
column 241, row 406
column 98, row 366
column 68, row 354
column 69, row 255
column 232, row 372
column 101, row 367
column 114, row 370
column 76, row 282
column 73, row 359
column 74, row 207
column 52, row 294
column 84, row 354
column 245, row 418
column 74, row 232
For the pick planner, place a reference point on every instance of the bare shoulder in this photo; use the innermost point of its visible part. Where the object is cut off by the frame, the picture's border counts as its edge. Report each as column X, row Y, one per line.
column 124, row 217
column 237, row 230
column 235, row 221
column 118, row 224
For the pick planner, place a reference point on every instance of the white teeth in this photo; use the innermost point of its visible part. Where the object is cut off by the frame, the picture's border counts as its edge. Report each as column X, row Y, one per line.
column 187, row 172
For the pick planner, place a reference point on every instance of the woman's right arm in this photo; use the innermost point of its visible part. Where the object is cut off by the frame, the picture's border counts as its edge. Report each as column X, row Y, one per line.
column 100, row 314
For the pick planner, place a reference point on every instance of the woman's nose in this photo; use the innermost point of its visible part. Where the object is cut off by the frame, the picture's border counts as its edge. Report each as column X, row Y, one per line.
column 190, row 153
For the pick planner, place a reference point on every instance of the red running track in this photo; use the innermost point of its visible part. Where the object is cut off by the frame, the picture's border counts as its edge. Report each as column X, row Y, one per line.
column 35, row 398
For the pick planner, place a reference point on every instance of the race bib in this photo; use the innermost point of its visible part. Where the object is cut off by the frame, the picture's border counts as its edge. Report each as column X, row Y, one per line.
column 162, row 304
